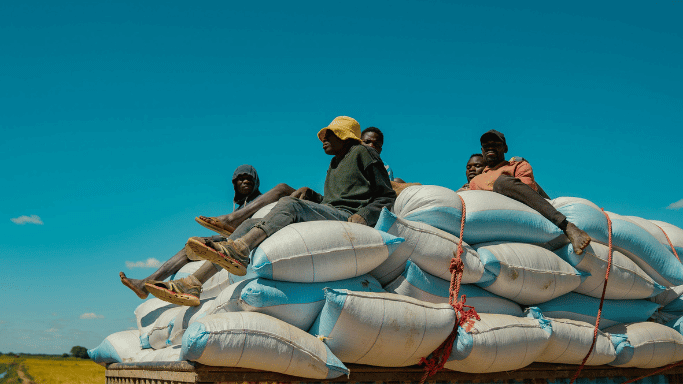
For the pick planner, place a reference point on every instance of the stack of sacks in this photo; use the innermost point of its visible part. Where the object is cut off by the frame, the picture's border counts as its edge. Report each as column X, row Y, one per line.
column 269, row 309
column 379, row 296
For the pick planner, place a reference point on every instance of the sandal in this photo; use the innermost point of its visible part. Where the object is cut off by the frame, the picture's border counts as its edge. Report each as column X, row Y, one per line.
column 183, row 291
column 141, row 294
column 215, row 225
column 228, row 257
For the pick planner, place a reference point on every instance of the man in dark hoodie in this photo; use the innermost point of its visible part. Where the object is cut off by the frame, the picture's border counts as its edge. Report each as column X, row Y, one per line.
column 357, row 187
column 248, row 199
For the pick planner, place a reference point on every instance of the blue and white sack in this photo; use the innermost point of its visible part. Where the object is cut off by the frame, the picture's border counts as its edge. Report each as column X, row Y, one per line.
column 158, row 334
column 584, row 308
column 258, row 341
column 645, row 345
column 490, row 216
column 674, row 233
column 166, row 354
column 213, row 286
column 571, row 340
column 297, row 303
column 498, row 343
column 645, row 250
column 119, row 347
column 381, row 329
column 146, row 315
column 185, row 317
column 429, row 247
column 423, row 286
column 228, row 301
column 585, row 215
column 319, row 251
column 626, row 279
column 526, row 273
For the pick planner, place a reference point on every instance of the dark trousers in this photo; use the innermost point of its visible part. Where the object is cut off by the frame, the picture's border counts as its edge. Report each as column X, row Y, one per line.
column 513, row 188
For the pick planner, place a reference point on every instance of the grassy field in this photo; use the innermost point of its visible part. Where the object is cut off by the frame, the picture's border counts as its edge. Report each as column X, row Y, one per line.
column 51, row 370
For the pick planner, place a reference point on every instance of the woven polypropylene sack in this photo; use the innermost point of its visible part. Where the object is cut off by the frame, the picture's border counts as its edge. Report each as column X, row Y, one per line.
column 584, row 308
column 119, row 347
column 584, row 214
column 526, row 273
column 571, row 340
column 261, row 213
column 227, row 301
column 626, row 279
column 675, row 235
column 423, row 286
column 429, row 247
column 646, row 345
column 650, row 254
column 185, row 317
column 489, row 216
column 319, row 251
column 381, row 329
column 297, row 303
column 146, row 314
column 167, row 354
column 258, row 341
column 158, row 334
column 498, row 343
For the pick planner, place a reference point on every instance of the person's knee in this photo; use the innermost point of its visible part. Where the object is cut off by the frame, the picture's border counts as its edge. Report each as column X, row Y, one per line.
column 503, row 183
column 283, row 189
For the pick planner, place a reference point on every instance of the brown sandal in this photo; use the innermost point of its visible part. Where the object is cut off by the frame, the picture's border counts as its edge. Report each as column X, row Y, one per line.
column 228, row 258
column 215, row 225
column 179, row 292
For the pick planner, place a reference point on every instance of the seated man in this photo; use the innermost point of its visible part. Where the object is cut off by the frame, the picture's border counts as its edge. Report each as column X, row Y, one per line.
column 475, row 166
column 374, row 138
column 357, row 187
column 248, row 199
column 515, row 179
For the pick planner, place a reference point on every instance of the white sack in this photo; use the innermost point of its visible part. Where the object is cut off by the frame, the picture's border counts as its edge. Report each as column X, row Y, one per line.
column 646, row 345
column 261, row 213
column 212, row 287
column 381, row 329
column 157, row 335
column 626, row 279
column 185, row 317
column 421, row 285
column 318, row 251
column 526, row 273
column 429, row 247
column 498, row 343
column 258, row 341
column 146, row 314
column 119, row 347
column 675, row 235
column 167, row 354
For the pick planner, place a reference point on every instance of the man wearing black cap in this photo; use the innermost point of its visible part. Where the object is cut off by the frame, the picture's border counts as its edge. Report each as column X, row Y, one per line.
column 515, row 179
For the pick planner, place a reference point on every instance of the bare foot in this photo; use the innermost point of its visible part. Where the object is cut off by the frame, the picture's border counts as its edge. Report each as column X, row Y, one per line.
column 578, row 238
column 137, row 286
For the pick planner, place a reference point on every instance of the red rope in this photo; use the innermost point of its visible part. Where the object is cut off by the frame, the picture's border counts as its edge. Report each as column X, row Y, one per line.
column 602, row 299
column 464, row 317
column 655, row 372
column 670, row 243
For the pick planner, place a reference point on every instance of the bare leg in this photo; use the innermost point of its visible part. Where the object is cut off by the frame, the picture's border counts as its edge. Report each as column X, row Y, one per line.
column 205, row 272
column 167, row 269
column 236, row 218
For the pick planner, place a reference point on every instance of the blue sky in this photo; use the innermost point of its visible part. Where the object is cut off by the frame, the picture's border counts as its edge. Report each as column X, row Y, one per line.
column 123, row 121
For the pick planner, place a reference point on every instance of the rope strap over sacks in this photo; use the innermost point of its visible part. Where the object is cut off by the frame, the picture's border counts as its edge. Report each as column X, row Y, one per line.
column 673, row 249
column 464, row 313
column 602, row 298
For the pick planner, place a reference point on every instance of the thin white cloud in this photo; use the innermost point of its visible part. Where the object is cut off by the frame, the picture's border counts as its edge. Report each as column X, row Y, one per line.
column 51, row 330
column 149, row 263
column 33, row 219
column 676, row 205
column 91, row 315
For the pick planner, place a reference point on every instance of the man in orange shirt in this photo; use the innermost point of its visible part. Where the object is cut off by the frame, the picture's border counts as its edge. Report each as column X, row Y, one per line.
column 515, row 179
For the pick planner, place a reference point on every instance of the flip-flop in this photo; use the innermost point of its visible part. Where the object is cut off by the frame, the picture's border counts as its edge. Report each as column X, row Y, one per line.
column 229, row 259
column 215, row 225
column 174, row 293
column 141, row 294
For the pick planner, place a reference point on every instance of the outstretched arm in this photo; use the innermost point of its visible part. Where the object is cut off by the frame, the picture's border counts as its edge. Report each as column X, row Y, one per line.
column 305, row 193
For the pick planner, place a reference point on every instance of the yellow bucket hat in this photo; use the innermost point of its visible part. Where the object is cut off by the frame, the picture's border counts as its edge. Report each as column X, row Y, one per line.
column 343, row 127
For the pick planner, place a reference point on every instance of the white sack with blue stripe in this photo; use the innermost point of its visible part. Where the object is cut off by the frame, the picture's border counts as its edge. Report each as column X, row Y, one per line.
column 571, row 340
column 185, row 317
column 584, row 214
column 318, row 251
column 626, row 279
column 119, row 347
column 489, row 216
column 429, row 247
column 526, row 273
column 423, row 286
column 645, row 345
column 212, row 287
column 498, row 343
column 146, row 314
column 584, row 308
column 645, row 250
column 297, row 303
column 675, row 235
column 158, row 334
column 381, row 329
column 258, row 341
column 228, row 301
column 261, row 213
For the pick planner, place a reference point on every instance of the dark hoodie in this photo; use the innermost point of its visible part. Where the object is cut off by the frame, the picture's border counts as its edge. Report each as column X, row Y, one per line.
column 241, row 200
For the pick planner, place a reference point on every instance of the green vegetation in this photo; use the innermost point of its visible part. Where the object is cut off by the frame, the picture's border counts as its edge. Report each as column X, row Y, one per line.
column 50, row 369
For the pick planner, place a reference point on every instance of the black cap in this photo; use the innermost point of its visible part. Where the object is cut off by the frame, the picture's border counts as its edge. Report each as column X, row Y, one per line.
column 493, row 135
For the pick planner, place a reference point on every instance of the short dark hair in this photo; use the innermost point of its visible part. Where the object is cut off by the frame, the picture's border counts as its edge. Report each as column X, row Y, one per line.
column 475, row 155
column 375, row 130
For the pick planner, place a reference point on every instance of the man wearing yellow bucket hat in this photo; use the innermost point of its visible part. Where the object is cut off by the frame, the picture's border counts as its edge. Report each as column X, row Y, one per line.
column 357, row 187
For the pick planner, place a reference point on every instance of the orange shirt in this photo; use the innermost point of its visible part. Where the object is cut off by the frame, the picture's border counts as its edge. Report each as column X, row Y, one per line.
column 516, row 167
